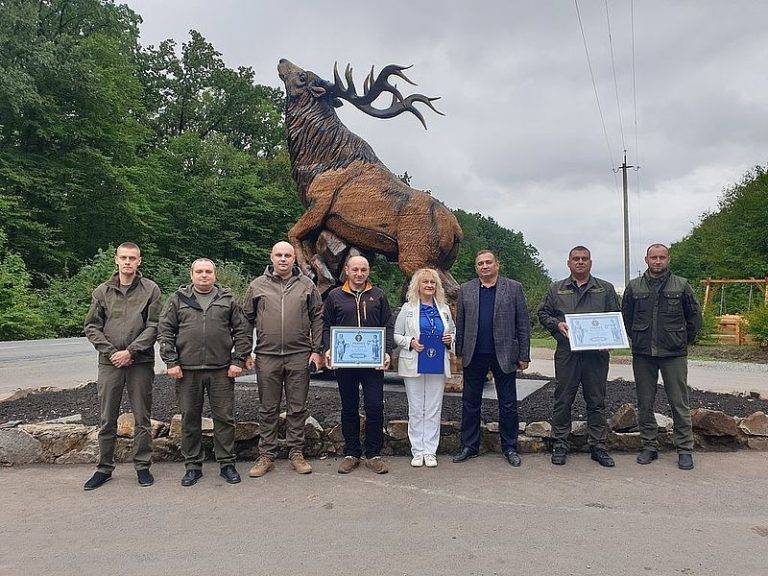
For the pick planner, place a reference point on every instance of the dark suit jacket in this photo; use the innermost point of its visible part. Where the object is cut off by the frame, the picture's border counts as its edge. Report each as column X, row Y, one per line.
column 511, row 327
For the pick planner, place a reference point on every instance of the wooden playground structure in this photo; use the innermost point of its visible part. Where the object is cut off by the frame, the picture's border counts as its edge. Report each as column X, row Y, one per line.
column 731, row 326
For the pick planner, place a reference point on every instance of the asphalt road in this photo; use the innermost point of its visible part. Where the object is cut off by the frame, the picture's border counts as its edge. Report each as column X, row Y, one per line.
column 68, row 362
column 709, row 375
column 63, row 363
column 477, row 518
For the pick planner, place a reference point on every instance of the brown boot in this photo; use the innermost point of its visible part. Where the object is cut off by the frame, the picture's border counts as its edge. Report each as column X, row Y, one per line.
column 300, row 464
column 377, row 464
column 348, row 464
column 263, row 465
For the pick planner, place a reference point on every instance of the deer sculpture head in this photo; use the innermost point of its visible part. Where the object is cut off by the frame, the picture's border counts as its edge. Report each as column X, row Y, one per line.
column 306, row 88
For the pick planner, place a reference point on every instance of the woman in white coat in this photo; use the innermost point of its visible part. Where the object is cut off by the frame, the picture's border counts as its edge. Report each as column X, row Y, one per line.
column 424, row 312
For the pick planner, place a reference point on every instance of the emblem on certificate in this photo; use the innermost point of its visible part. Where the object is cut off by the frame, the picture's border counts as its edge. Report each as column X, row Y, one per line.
column 357, row 347
column 432, row 358
column 597, row 331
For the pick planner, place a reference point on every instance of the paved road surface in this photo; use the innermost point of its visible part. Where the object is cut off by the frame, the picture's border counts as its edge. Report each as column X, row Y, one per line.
column 714, row 376
column 478, row 518
column 62, row 363
column 68, row 362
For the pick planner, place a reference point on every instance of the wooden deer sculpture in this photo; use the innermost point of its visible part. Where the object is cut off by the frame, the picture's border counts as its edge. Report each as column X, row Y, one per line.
column 346, row 190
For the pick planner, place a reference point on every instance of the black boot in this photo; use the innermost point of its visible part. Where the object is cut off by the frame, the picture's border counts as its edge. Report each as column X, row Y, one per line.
column 647, row 456
column 229, row 473
column 145, row 477
column 559, row 456
column 97, row 480
column 601, row 456
column 685, row 461
column 191, row 477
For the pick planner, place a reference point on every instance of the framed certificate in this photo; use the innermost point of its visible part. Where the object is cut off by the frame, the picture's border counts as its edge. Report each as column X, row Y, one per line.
column 356, row 347
column 598, row 331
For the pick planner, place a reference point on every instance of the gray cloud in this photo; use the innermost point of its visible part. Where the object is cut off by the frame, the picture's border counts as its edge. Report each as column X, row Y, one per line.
column 521, row 140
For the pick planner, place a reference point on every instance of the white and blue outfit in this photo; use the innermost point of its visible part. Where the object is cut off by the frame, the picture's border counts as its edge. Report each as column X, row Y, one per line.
column 424, row 391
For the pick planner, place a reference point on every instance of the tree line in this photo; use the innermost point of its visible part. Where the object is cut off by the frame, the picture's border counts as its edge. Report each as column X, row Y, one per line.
column 732, row 243
column 104, row 140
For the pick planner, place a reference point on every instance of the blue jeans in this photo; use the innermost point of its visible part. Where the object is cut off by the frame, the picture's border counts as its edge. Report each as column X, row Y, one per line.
column 471, row 400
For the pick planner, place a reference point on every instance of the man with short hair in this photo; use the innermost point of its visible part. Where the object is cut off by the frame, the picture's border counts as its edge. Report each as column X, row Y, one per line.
column 492, row 333
column 662, row 317
column 286, row 310
column 122, row 326
column 580, row 293
column 359, row 303
column 204, row 341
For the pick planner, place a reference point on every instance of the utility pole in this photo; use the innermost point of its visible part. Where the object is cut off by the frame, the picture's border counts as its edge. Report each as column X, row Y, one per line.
column 623, row 169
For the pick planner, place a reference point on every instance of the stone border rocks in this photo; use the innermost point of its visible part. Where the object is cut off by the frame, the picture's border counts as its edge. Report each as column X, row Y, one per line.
column 67, row 441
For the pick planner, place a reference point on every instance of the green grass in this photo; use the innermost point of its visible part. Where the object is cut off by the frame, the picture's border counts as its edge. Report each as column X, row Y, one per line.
column 549, row 342
column 700, row 351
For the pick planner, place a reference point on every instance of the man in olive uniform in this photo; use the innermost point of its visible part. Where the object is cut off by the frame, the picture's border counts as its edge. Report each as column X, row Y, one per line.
column 122, row 326
column 580, row 293
column 286, row 310
column 204, row 341
column 662, row 317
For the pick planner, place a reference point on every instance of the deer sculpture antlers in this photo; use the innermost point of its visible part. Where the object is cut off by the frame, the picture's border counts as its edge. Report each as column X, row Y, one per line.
column 374, row 87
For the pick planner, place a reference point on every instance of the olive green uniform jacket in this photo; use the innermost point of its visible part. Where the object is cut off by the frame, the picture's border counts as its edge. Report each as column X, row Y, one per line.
column 564, row 297
column 124, row 321
column 287, row 314
column 198, row 339
column 661, row 315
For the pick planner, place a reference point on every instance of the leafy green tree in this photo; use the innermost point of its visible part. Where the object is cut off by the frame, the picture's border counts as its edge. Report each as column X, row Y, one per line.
column 66, row 300
column 211, row 200
column 195, row 93
column 68, row 103
column 757, row 324
column 20, row 315
column 518, row 259
column 731, row 242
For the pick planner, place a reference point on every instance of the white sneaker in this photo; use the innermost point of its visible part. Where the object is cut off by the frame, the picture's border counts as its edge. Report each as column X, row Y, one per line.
column 430, row 460
column 417, row 461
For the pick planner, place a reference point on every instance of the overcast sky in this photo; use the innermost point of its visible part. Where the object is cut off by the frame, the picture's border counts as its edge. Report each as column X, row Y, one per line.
column 522, row 139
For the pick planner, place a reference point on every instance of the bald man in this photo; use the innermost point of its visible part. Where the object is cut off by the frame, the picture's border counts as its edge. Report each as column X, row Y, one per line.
column 359, row 303
column 285, row 308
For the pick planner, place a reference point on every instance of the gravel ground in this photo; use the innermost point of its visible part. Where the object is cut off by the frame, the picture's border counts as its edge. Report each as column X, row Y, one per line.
column 324, row 404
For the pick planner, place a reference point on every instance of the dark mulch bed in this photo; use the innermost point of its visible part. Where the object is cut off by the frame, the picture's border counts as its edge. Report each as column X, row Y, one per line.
column 325, row 407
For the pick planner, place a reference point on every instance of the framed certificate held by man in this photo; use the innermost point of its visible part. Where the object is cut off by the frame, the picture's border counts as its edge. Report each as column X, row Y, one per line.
column 597, row 331
column 357, row 347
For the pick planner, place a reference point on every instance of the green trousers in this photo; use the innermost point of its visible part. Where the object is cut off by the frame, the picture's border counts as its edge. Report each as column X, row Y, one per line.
column 590, row 370
column 276, row 374
column 674, row 372
column 190, row 393
column 137, row 379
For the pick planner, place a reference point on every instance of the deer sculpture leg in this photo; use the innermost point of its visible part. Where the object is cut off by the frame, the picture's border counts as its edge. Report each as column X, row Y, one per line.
column 320, row 195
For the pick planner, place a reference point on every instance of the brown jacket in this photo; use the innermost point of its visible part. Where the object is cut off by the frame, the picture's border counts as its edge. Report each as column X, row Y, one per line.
column 117, row 321
column 287, row 314
column 203, row 340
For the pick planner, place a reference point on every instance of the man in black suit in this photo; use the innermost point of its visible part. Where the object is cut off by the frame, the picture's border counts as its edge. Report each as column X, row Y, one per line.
column 492, row 333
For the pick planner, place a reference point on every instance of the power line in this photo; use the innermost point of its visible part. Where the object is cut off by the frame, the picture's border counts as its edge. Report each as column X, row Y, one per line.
column 634, row 104
column 594, row 87
column 615, row 81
